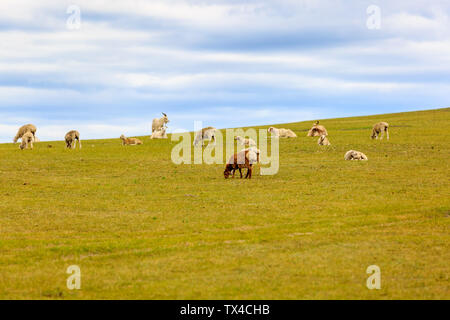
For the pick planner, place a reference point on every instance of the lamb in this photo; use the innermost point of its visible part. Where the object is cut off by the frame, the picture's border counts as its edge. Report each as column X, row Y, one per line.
column 159, row 123
column 27, row 141
column 71, row 138
column 243, row 159
column 207, row 134
column 130, row 141
column 282, row 133
column 159, row 134
column 380, row 127
column 317, row 130
column 245, row 141
column 323, row 141
column 355, row 155
column 24, row 129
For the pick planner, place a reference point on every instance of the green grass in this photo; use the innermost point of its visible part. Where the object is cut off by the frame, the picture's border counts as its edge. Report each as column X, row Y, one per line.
column 141, row 227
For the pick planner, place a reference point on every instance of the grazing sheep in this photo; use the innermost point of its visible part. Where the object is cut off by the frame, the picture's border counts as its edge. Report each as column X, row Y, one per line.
column 159, row 134
column 323, row 141
column 355, row 155
column 248, row 142
column 317, row 130
column 27, row 141
column 159, row 123
column 380, row 127
column 282, row 133
column 71, row 139
column 130, row 141
column 243, row 159
column 24, row 129
column 207, row 134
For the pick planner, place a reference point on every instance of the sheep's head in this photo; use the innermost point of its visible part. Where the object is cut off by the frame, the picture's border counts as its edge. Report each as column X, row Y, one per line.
column 122, row 137
column 270, row 129
column 226, row 172
column 166, row 119
column 373, row 136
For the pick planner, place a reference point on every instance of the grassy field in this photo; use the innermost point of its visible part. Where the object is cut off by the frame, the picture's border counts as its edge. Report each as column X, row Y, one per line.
column 141, row 227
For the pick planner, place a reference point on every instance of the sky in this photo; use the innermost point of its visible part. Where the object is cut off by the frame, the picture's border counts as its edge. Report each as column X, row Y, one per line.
column 227, row 63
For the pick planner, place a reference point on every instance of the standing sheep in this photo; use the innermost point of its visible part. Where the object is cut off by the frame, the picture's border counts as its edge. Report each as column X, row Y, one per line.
column 317, row 130
column 243, row 159
column 130, row 141
column 282, row 133
column 380, row 127
column 24, row 129
column 159, row 123
column 207, row 134
column 27, row 141
column 355, row 155
column 323, row 141
column 71, row 139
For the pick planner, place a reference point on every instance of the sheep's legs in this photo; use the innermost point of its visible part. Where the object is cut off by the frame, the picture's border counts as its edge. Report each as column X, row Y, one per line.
column 79, row 143
column 387, row 133
column 74, row 144
column 240, row 171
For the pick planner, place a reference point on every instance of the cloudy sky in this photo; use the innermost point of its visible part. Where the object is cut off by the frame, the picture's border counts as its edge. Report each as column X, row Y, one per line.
column 228, row 63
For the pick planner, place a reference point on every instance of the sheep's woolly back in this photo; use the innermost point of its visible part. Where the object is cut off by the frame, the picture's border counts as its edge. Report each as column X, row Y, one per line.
column 24, row 129
column 317, row 131
column 355, row 155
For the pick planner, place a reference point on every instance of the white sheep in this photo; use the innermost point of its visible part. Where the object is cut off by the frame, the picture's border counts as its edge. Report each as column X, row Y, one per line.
column 159, row 123
column 282, row 133
column 206, row 134
column 355, row 155
column 159, row 134
column 27, row 141
column 24, row 129
column 248, row 142
column 71, row 139
column 380, row 127
column 323, row 141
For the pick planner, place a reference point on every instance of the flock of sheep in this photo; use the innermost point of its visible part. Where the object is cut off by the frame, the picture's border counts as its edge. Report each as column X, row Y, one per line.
column 243, row 159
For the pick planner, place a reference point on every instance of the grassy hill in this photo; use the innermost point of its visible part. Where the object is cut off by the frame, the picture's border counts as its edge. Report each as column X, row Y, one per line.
column 142, row 227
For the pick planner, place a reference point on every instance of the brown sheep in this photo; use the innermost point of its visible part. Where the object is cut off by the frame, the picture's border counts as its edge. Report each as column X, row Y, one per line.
column 130, row 141
column 27, row 141
column 24, row 129
column 243, row 159
column 380, row 127
column 317, row 130
column 71, row 139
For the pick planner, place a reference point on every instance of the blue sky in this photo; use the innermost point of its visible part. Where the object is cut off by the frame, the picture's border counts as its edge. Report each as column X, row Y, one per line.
column 227, row 63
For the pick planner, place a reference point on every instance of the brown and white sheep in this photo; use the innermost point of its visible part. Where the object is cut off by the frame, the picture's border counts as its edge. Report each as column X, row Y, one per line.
column 27, row 141
column 380, row 127
column 24, row 129
column 71, row 139
column 243, row 159
column 317, row 130
column 355, row 155
column 282, row 133
column 130, row 141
